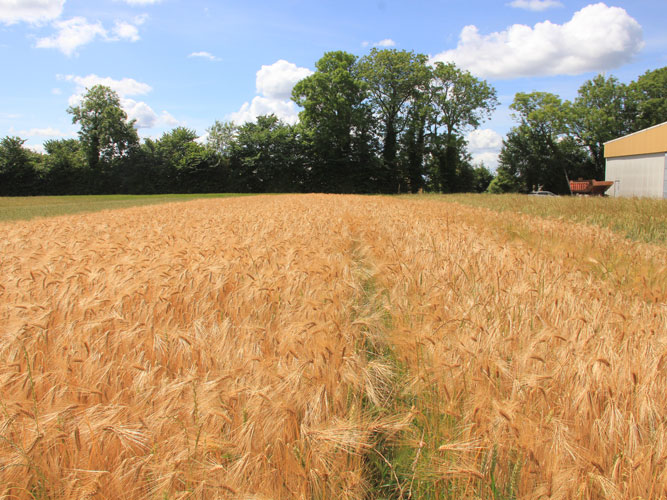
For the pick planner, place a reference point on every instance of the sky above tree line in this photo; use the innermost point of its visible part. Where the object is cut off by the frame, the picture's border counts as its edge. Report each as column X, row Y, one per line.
column 191, row 62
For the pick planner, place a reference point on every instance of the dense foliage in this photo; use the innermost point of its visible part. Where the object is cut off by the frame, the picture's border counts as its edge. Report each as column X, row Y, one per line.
column 560, row 140
column 388, row 122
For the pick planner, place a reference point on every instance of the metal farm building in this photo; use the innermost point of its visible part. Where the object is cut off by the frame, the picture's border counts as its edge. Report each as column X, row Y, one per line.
column 637, row 163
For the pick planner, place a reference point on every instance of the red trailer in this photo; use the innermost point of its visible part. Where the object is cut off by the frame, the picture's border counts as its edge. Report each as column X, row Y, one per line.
column 590, row 187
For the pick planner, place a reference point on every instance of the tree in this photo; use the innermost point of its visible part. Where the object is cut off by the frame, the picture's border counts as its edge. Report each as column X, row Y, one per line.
column 460, row 102
column 189, row 166
column 533, row 148
column 599, row 114
column 221, row 136
column 19, row 174
column 66, row 169
column 482, row 178
column 505, row 181
column 336, row 125
column 533, row 158
column 413, row 145
column 394, row 81
column 266, row 158
column 649, row 95
column 106, row 133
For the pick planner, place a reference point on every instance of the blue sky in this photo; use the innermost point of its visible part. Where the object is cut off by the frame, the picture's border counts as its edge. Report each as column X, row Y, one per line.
column 189, row 63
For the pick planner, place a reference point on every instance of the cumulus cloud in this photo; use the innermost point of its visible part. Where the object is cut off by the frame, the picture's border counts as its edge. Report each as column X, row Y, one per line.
column 167, row 119
column 76, row 32
column 204, row 55
column 72, row 34
column 145, row 116
column 489, row 159
column 48, row 132
column 124, row 87
column 126, row 31
column 30, row 11
column 37, row 148
column 597, row 38
column 387, row 42
column 277, row 80
column 283, row 109
column 535, row 5
column 275, row 84
column 140, row 111
column 484, row 146
column 484, row 139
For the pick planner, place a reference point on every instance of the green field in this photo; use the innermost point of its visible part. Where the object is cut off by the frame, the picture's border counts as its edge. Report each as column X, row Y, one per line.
column 29, row 207
column 639, row 219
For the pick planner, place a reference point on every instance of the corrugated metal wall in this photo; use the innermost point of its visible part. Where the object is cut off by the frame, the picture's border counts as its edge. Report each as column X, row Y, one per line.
column 644, row 176
column 649, row 141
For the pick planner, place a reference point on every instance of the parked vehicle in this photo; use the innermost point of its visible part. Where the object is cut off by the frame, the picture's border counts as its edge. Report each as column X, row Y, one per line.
column 542, row 193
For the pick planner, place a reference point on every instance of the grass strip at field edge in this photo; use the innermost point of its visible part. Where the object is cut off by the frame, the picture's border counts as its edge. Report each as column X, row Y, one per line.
column 637, row 219
column 27, row 208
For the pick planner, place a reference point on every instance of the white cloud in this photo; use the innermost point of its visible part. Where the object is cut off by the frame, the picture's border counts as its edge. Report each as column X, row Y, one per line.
column 597, row 38
column 277, row 80
column 275, row 83
column 535, row 5
column 387, row 42
column 484, row 146
column 30, row 11
column 283, row 109
column 45, row 132
column 205, row 55
column 484, row 139
column 141, row 112
column 76, row 32
column 37, row 148
column 124, row 87
column 72, row 34
column 489, row 159
column 126, row 31
column 167, row 119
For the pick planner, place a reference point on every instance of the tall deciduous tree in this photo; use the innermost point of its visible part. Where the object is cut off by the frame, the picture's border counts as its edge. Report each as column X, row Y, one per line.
column 460, row 102
column 414, row 145
column 336, row 124
column 394, row 80
column 106, row 133
column 601, row 112
column 649, row 95
column 538, row 152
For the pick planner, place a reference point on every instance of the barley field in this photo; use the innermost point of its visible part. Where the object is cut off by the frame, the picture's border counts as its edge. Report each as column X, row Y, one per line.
column 330, row 347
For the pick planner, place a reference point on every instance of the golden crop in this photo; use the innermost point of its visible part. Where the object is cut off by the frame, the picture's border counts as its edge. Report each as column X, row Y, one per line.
column 322, row 346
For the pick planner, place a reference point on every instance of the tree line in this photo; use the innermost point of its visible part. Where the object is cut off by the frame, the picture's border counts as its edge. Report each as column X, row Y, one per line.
column 388, row 122
column 557, row 140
